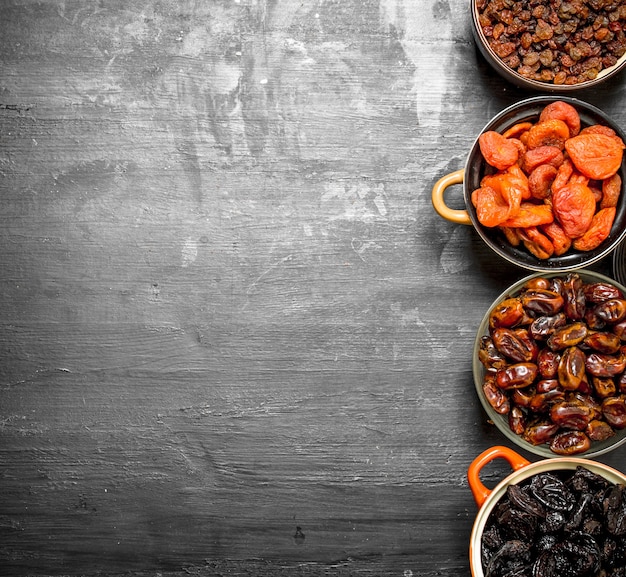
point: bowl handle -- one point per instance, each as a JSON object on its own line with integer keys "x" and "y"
{"x": 480, "y": 492}
{"x": 453, "y": 215}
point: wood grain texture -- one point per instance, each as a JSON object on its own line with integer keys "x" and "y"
{"x": 235, "y": 337}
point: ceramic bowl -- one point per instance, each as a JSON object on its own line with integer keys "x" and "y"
{"x": 514, "y": 77}
{"x": 476, "y": 167}
{"x": 501, "y": 421}
{"x": 487, "y": 499}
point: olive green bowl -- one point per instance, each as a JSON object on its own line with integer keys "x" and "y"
{"x": 501, "y": 421}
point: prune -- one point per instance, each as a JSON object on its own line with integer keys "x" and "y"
{"x": 615, "y": 509}
{"x": 523, "y": 500}
{"x": 561, "y": 523}
{"x": 563, "y": 355}
{"x": 552, "y": 492}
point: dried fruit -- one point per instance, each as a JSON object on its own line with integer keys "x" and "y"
{"x": 552, "y": 186}
{"x": 555, "y": 361}
{"x": 560, "y": 523}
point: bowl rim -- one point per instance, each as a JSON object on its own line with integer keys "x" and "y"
{"x": 478, "y": 370}
{"x": 572, "y": 260}
{"x": 516, "y": 477}
{"x": 516, "y": 78}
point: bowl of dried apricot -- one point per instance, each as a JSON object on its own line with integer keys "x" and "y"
{"x": 556, "y": 47}
{"x": 551, "y": 518}
{"x": 544, "y": 184}
{"x": 549, "y": 364}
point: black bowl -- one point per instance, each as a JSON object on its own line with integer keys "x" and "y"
{"x": 476, "y": 168}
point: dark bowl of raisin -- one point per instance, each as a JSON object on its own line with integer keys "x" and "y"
{"x": 556, "y": 47}
{"x": 549, "y": 364}
{"x": 552, "y": 518}
{"x": 543, "y": 184}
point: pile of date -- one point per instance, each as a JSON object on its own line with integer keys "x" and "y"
{"x": 555, "y": 362}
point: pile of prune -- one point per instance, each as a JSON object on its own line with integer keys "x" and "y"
{"x": 565, "y": 523}
{"x": 555, "y": 362}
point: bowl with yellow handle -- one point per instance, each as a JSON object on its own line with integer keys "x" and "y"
{"x": 543, "y": 184}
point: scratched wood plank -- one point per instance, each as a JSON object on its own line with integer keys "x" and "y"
{"x": 235, "y": 337}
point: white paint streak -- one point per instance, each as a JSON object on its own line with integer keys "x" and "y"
{"x": 189, "y": 252}
{"x": 421, "y": 34}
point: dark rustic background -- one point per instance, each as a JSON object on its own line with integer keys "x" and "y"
{"x": 236, "y": 339}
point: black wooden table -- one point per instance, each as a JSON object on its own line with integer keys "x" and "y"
{"x": 236, "y": 338}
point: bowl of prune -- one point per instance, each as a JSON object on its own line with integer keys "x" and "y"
{"x": 563, "y": 517}
{"x": 548, "y": 46}
{"x": 543, "y": 184}
{"x": 549, "y": 364}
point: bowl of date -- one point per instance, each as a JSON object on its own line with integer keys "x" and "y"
{"x": 551, "y": 46}
{"x": 549, "y": 364}
{"x": 543, "y": 185}
{"x": 551, "y": 518}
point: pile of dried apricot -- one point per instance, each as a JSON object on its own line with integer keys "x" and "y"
{"x": 554, "y": 185}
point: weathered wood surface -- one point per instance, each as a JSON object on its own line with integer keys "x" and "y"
{"x": 235, "y": 337}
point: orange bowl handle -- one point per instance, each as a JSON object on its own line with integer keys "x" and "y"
{"x": 439, "y": 203}
{"x": 480, "y": 492}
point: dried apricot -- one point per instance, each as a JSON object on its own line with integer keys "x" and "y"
{"x": 552, "y": 181}
{"x": 551, "y": 132}
{"x": 509, "y": 187}
{"x": 491, "y": 208}
{"x": 574, "y": 207}
{"x": 595, "y": 155}
{"x": 512, "y": 235}
{"x": 562, "y": 111}
{"x": 530, "y": 214}
{"x": 537, "y": 243}
{"x": 560, "y": 241}
{"x": 540, "y": 180}
{"x": 542, "y": 155}
{"x": 598, "y": 230}
{"x": 603, "y": 129}
{"x": 517, "y": 130}
{"x": 564, "y": 172}
{"x": 611, "y": 190}
{"x": 497, "y": 150}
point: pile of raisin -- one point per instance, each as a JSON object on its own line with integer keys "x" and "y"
{"x": 563, "y": 42}
{"x": 566, "y": 523}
